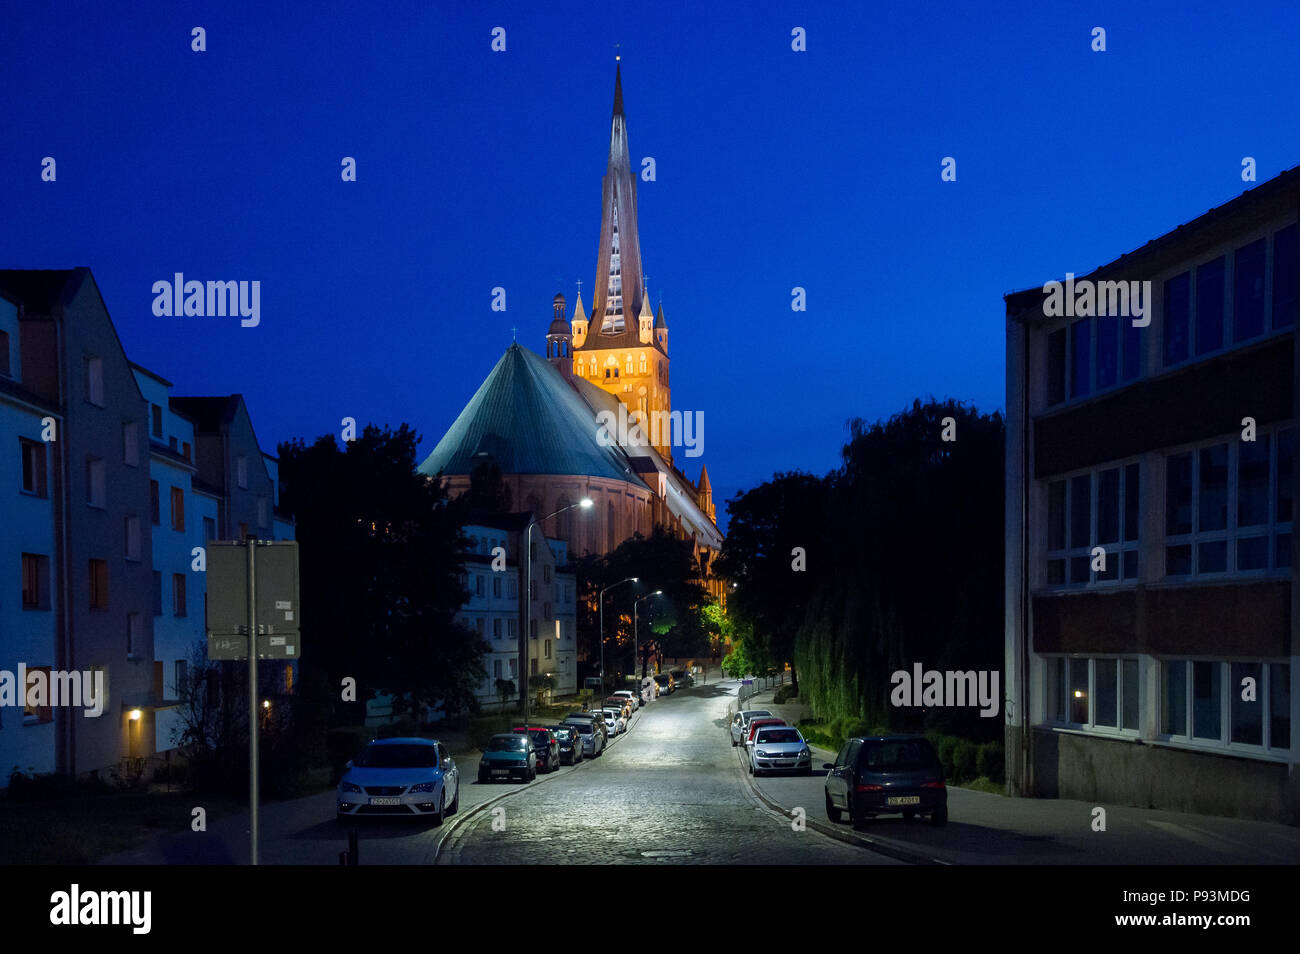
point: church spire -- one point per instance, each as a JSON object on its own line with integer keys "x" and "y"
{"x": 619, "y": 281}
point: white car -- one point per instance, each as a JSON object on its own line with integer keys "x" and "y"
{"x": 740, "y": 723}
{"x": 630, "y": 696}
{"x": 779, "y": 748}
{"x": 614, "y": 719}
{"x": 403, "y": 776}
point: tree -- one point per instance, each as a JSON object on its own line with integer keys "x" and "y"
{"x": 380, "y": 571}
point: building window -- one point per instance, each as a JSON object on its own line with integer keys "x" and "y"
{"x": 496, "y": 586}
{"x": 178, "y": 509}
{"x": 133, "y": 633}
{"x": 132, "y": 538}
{"x": 1228, "y": 507}
{"x": 1091, "y": 510}
{"x": 178, "y": 594}
{"x": 478, "y": 584}
{"x": 479, "y": 626}
{"x": 131, "y": 444}
{"x": 546, "y": 573}
{"x": 157, "y": 592}
{"x": 1092, "y": 693}
{"x": 35, "y": 715}
{"x": 496, "y": 669}
{"x": 182, "y": 677}
{"x": 514, "y": 668}
{"x": 94, "y": 382}
{"x": 34, "y": 467}
{"x": 1284, "y": 277}
{"x": 209, "y": 529}
{"x": 1201, "y": 703}
{"x": 95, "y": 483}
{"x": 241, "y": 472}
{"x": 546, "y": 643}
{"x": 186, "y": 450}
{"x": 532, "y": 628}
{"x": 36, "y": 587}
{"x": 157, "y": 422}
{"x": 532, "y": 667}
{"x": 154, "y": 508}
{"x": 98, "y": 584}
{"x": 512, "y": 628}
{"x": 1248, "y": 291}
{"x": 496, "y": 629}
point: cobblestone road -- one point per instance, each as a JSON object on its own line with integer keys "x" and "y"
{"x": 670, "y": 790}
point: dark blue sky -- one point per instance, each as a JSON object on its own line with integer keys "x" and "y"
{"x": 478, "y": 169}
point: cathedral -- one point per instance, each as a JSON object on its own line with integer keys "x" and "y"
{"x": 540, "y": 419}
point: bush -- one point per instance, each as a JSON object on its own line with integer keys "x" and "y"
{"x": 990, "y": 761}
{"x": 944, "y": 746}
{"x": 963, "y": 760}
{"x": 29, "y": 787}
{"x": 857, "y": 728}
{"x": 784, "y": 694}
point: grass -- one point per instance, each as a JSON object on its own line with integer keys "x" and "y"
{"x": 80, "y": 829}
{"x": 984, "y": 784}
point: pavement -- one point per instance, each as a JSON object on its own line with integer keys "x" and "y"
{"x": 997, "y": 829}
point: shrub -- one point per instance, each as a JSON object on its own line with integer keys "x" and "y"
{"x": 855, "y": 728}
{"x": 990, "y": 761}
{"x": 944, "y": 746}
{"x": 963, "y": 760}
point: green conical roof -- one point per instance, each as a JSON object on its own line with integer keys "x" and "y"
{"x": 528, "y": 418}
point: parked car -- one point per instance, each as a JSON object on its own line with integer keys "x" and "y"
{"x": 508, "y": 755}
{"x": 546, "y": 744}
{"x": 779, "y": 748}
{"x": 592, "y": 735}
{"x": 570, "y": 743}
{"x": 632, "y": 697}
{"x": 400, "y": 776}
{"x": 592, "y": 715}
{"x": 622, "y": 704}
{"x": 757, "y": 723}
{"x": 614, "y": 719}
{"x": 665, "y": 682}
{"x": 883, "y": 775}
{"x": 682, "y": 678}
{"x": 740, "y": 723}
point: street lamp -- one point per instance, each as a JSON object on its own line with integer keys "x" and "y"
{"x": 526, "y": 601}
{"x": 636, "y": 642}
{"x": 601, "y": 613}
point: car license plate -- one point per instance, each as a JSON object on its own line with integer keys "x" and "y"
{"x": 501, "y": 771}
{"x": 385, "y": 801}
{"x": 903, "y": 800}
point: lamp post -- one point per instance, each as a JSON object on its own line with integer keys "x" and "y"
{"x": 526, "y": 602}
{"x": 601, "y": 613}
{"x": 636, "y": 642}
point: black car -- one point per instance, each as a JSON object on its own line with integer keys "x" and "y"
{"x": 885, "y": 775}
{"x": 548, "y": 747}
{"x": 570, "y": 744}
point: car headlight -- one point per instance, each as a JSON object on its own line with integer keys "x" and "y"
{"x": 423, "y": 787}
{"x": 805, "y": 754}
{"x": 761, "y": 754}
{"x": 349, "y": 787}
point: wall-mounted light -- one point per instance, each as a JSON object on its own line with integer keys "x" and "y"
{"x": 266, "y": 703}
{"x": 135, "y": 714}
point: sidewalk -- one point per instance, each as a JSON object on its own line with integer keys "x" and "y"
{"x": 998, "y": 829}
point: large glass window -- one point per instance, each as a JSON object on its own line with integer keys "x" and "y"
{"x": 1100, "y": 693}
{"x": 1173, "y": 719}
{"x": 1097, "y": 509}
{"x": 1209, "y": 306}
{"x": 1108, "y": 350}
{"x": 1177, "y": 318}
{"x": 1207, "y": 703}
{"x": 1080, "y": 354}
{"x": 1216, "y": 691}
{"x": 1284, "y": 277}
{"x": 1248, "y": 291}
{"x": 1245, "y": 715}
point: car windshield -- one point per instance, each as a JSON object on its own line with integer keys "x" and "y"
{"x": 507, "y": 743}
{"x": 902, "y": 755}
{"x": 398, "y": 756}
{"x": 778, "y": 735}
{"x": 563, "y": 734}
{"x": 755, "y": 713}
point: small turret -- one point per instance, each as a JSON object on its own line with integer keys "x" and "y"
{"x": 559, "y": 340}
{"x": 579, "y": 323}
{"x": 661, "y": 329}
{"x": 646, "y": 319}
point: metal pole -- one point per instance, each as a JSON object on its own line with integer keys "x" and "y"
{"x": 636, "y": 641}
{"x": 601, "y": 613}
{"x": 525, "y": 622}
{"x": 252, "y": 699}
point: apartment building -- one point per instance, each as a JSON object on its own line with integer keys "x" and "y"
{"x": 1150, "y": 598}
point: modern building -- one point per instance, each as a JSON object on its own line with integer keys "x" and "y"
{"x": 1150, "y": 594}
{"x": 492, "y": 570}
{"x": 562, "y": 428}
{"x": 112, "y": 489}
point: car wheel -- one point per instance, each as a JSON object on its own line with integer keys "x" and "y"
{"x": 833, "y": 813}
{"x": 939, "y": 816}
{"x": 441, "y": 813}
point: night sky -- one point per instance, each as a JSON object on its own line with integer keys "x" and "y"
{"x": 479, "y": 169}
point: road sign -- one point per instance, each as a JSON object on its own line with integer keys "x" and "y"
{"x": 226, "y": 646}
{"x": 278, "y": 612}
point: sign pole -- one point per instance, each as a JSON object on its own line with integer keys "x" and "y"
{"x": 252, "y": 699}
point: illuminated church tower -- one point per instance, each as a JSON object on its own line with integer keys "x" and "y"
{"x": 623, "y": 346}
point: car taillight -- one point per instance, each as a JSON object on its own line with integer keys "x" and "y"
{"x": 869, "y": 788}
{"x": 938, "y": 784}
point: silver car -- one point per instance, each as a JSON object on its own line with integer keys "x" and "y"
{"x": 403, "y": 776}
{"x": 591, "y": 734}
{"x": 740, "y": 723}
{"x": 615, "y": 720}
{"x": 779, "y": 748}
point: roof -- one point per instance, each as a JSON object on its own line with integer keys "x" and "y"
{"x": 1267, "y": 200}
{"x": 529, "y": 421}
{"x": 510, "y": 522}
{"x": 207, "y": 413}
{"x": 38, "y": 290}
